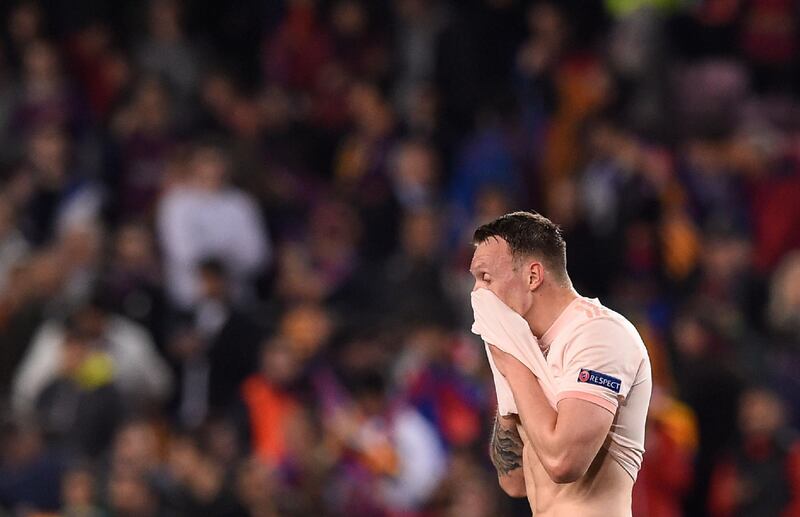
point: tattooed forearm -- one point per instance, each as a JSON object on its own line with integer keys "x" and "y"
{"x": 505, "y": 448}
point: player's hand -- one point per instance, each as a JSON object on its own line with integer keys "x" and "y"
{"x": 508, "y": 365}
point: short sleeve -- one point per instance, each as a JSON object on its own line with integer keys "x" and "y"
{"x": 600, "y": 364}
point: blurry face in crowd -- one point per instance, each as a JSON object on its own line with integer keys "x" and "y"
{"x": 94, "y": 39}
{"x": 6, "y": 217}
{"x": 21, "y": 445}
{"x": 305, "y": 4}
{"x": 372, "y": 403}
{"x": 73, "y": 353}
{"x": 761, "y": 413}
{"x": 91, "y": 322}
{"x": 789, "y": 289}
{"x": 490, "y": 204}
{"x": 135, "y": 447}
{"x": 212, "y": 285}
{"x": 360, "y": 355}
{"x": 276, "y": 108}
{"x": 278, "y": 364}
{"x": 348, "y": 18}
{"x": 544, "y": 20}
{"x": 416, "y": 166}
{"x": 80, "y": 245}
{"x": 706, "y": 157}
{"x": 152, "y": 104}
{"x": 369, "y": 391}
{"x": 78, "y": 488}
{"x": 210, "y": 168}
{"x": 45, "y": 273}
{"x": 422, "y": 111}
{"x": 691, "y": 338}
{"x": 335, "y": 229}
{"x": 725, "y": 257}
{"x": 562, "y": 203}
{"x": 164, "y": 19}
{"x": 370, "y": 110}
{"x": 306, "y": 328}
{"x": 47, "y": 151}
{"x": 134, "y": 246}
{"x": 429, "y": 341}
{"x": 420, "y": 235}
{"x": 24, "y": 22}
{"x": 213, "y": 281}
{"x": 254, "y": 484}
{"x": 129, "y": 494}
{"x": 412, "y": 9}
{"x": 41, "y": 62}
{"x": 222, "y": 441}
{"x": 183, "y": 456}
{"x": 494, "y": 268}
{"x": 218, "y": 91}
{"x": 472, "y": 495}
{"x": 118, "y": 70}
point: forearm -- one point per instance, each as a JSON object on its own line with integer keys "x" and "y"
{"x": 566, "y": 441}
{"x": 506, "y": 453}
{"x": 562, "y": 457}
{"x": 530, "y": 401}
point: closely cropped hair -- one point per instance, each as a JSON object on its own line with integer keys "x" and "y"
{"x": 528, "y": 233}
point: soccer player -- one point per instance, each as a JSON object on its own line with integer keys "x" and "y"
{"x": 582, "y": 457}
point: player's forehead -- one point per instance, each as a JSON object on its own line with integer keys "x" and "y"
{"x": 492, "y": 253}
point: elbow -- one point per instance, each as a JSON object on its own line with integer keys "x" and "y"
{"x": 564, "y": 469}
{"x": 512, "y": 486}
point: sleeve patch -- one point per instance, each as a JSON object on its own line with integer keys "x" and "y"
{"x": 599, "y": 379}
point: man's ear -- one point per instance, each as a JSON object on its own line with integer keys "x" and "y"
{"x": 535, "y": 275}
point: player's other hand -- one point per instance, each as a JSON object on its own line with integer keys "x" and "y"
{"x": 507, "y": 364}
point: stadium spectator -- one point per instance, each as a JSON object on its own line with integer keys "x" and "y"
{"x": 195, "y": 219}
{"x": 133, "y": 280}
{"x": 140, "y": 373}
{"x": 270, "y": 404}
{"x": 216, "y": 351}
{"x": 30, "y": 470}
{"x": 79, "y": 493}
{"x": 166, "y": 50}
{"x": 784, "y": 303}
{"x": 759, "y": 475}
{"x": 144, "y": 132}
{"x": 80, "y": 408}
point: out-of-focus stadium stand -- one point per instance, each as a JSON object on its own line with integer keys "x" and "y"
{"x": 234, "y": 241}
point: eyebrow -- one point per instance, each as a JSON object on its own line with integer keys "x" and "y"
{"x": 477, "y": 267}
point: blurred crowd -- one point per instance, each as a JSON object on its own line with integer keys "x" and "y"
{"x": 234, "y": 242}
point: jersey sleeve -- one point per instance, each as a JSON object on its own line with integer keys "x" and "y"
{"x": 600, "y": 364}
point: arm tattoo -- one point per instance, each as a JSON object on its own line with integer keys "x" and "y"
{"x": 505, "y": 449}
